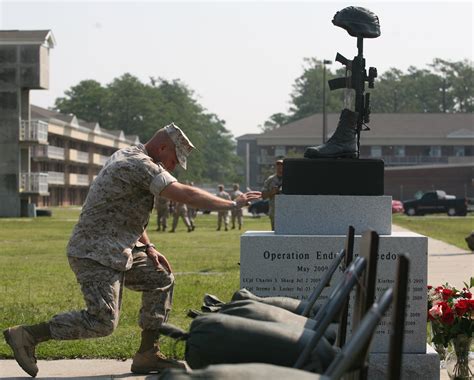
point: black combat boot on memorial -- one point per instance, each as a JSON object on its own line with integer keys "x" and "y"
{"x": 342, "y": 143}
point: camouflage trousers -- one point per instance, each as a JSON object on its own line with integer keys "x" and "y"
{"x": 184, "y": 215}
{"x": 237, "y": 215}
{"x": 102, "y": 288}
{"x": 162, "y": 217}
{"x": 222, "y": 216}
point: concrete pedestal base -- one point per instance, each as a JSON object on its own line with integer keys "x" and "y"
{"x": 292, "y": 265}
{"x": 332, "y": 214}
{"x": 414, "y": 366}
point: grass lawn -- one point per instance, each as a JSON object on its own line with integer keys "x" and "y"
{"x": 451, "y": 230}
{"x": 36, "y": 282}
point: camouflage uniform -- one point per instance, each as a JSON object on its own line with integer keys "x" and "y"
{"x": 102, "y": 250}
{"x": 236, "y": 213}
{"x": 269, "y": 184}
{"x": 162, "y": 212}
{"x": 192, "y": 212}
{"x": 180, "y": 210}
{"x": 223, "y": 216}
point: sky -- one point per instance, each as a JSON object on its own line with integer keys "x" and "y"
{"x": 240, "y": 58}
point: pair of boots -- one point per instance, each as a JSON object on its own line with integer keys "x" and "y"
{"x": 23, "y": 341}
{"x": 343, "y": 143}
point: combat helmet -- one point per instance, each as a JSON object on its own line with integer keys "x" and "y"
{"x": 358, "y": 21}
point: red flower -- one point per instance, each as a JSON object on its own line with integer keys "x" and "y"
{"x": 467, "y": 295}
{"x": 429, "y": 287}
{"x": 448, "y": 316}
{"x": 447, "y": 293}
{"x": 462, "y": 306}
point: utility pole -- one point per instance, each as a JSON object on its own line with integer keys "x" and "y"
{"x": 325, "y": 62}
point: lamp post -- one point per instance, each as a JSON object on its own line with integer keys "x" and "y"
{"x": 325, "y": 62}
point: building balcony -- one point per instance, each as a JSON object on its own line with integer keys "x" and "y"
{"x": 34, "y": 131}
{"x": 78, "y": 156}
{"x": 34, "y": 183}
{"x": 48, "y": 152}
{"x": 56, "y": 178}
{"x": 98, "y": 159}
{"x": 78, "y": 179}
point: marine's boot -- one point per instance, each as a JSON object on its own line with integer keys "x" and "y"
{"x": 153, "y": 361}
{"x": 342, "y": 143}
{"x": 23, "y": 345}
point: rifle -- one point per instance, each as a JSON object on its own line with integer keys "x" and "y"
{"x": 358, "y": 73}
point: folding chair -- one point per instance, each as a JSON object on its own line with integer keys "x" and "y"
{"x": 258, "y": 371}
{"x": 342, "y": 330}
{"x": 365, "y": 293}
{"x": 217, "y": 338}
{"x": 348, "y": 358}
{"x": 360, "y": 339}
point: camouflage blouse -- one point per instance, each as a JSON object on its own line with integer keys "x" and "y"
{"x": 117, "y": 208}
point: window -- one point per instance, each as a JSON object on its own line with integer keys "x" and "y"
{"x": 459, "y": 151}
{"x": 280, "y": 151}
{"x": 376, "y": 151}
{"x": 399, "y": 150}
{"x": 435, "y": 151}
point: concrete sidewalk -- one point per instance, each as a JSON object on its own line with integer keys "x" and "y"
{"x": 73, "y": 369}
{"x": 446, "y": 263}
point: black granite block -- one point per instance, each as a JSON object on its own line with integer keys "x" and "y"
{"x": 304, "y": 176}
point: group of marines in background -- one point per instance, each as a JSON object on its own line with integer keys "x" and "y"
{"x": 165, "y": 208}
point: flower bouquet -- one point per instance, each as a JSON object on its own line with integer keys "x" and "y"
{"x": 451, "y": 313}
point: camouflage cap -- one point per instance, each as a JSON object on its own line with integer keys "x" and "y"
{"x": 183, "y": 146}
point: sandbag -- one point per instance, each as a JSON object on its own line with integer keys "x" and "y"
{"x": 287, "y": 303}
{"x": 220, "y": 338}
{"x": 263, "y": 312}
{"x": 250, "y": 371}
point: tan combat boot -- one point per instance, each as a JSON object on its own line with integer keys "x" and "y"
{"x": 23, "y": 346}
{"x": 153, "y": 361}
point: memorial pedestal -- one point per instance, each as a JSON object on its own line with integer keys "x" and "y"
{"x": 332, "y": 214}
{"x": 329, "y": 176}
{"x": 292, "y": 265}
{"x": 321, "y": 198}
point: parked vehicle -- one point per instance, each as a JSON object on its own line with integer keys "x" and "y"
{"x": 436, "y": 202}
{"x": 259, "y": 207}
{"x": 397, "y": 207}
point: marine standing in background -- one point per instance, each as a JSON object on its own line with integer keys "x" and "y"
{"x": 237, "y": 213}
{"x": 272, "y": 187}
{"x": 162, "y": 206}
{"x": 180, "y": 210}
{"x": 222, "y": 216}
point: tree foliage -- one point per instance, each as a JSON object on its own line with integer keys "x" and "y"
{"x": 141, "y": 109}
{"x": 444, "y": 86}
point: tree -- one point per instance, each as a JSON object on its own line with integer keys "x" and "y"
{"x": 457, "y": 78}
{"x": 307, "y": 95}
{"x": 137, "y": 108}
{"x": 444, "y": 87}
{"x": 87, "y": 100}
{"x": 274, "y": 121}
